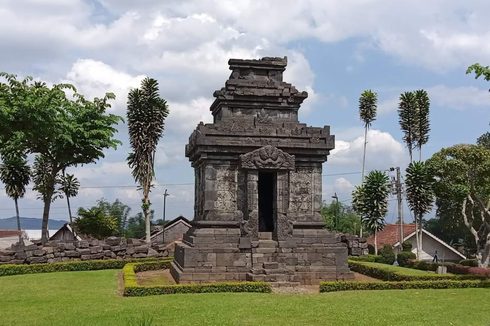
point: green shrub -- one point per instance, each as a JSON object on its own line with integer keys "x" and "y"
{"x": 132, "y": 289}
{"x": 469, "y": 262}
{"x": 407, "y": 246}
{"x": 387, "y": 274}
{"x": 368, "y": 258}
{"x": 388, "y": 254}
{"x": 404, "y": 285}
{"x": 87, "y": 265}
{"x": 422, "y": 265}
{"x": 404, "y": 257}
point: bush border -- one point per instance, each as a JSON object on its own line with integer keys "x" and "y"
{"x": 403, "y": 285}
{"x": 132, "y": 289}
{"x": 71, "y": 266}
{"x": 388, "y": 275}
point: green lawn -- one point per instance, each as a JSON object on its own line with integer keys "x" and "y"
{"x": 90, "y": 298}
{"x": 397, "y": 269}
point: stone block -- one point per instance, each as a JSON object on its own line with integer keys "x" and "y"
{"x": 113, "y": 241}
{"x": 72, "y": 253}
{"x": 141, "y": 249}
{"x": 83, "y": 244}
{"x": 6, "y": 258}
{"x": 95, "y": 249}
{"x": 37, "y": 260}
{"x": 85, "y": 251}
{"x": 69, "y": 246}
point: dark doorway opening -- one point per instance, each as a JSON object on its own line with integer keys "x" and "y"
{"x": 267, "y": 196}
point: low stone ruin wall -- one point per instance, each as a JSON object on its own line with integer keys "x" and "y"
{"x": 56, "y": 251}
{"x": 356, "y": 246}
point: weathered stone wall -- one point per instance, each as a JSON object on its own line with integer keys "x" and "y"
{"x": 55, "y": 251}
{"x": 357, "y": 246}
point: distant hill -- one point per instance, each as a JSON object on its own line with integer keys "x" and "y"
{"x": 29, "y": 223}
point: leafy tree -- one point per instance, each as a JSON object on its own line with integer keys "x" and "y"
{"x": 422, "y": 126}
{"x": 69, "y": 187}
{"x": 367, "y": 114}
{"x": 118, "y": 210}
{"x": 146, "y": 115}
{"x": 349, "y": 221}
{"x": 95, "y": 222}
{"x": 407, "y": 112}
{"x": 483, "y": 140}
{"x": 419, "y": 196}
{"x": 15, "y": 175}
{"x": 137, "y": 225}
{"x": 462, "y": 176}
{"x": 370, "y": 200}
{"x": 64, "y": 130}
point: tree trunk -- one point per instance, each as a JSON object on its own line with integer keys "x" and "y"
{"x": 147, "y": 217}
{"x": 18, "y": 221}
{"x": 47, "y": 206}
{"x": 420, "y": 154}
{"x": 483, "y": 255}
{"x": 69, "y": 209}
{"x": 420, "y": 235}
{"x": 375, "y": 242}
{"x": 417, "y": 238}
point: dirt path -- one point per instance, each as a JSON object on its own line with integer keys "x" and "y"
{"x": 365, "y": 278}
{"x": 158, "y": 277}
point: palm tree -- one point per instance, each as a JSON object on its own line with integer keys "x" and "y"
{"x": 69, "y": 186}
{"x": 146, "y": 115}
{"x": 407, "y": 111}
{"x": 367, "y": 114}
{"x": 371, "y": 202}
{"x": 15, "y": 174}
{"x": 419, "y": 195}
{"x": 423, "y": 122}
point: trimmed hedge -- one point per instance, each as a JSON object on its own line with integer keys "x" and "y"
{"x": 469, "y": 262}
{"x": 451, "y": 268}
{"x": 132, "y": 289}
{"x": 367, "y": 258}
{"x": 386, "y": 274}
{"x": 86, "y": 265}
{"x": 404, "y": 257}
{"x": 403, "y": 285}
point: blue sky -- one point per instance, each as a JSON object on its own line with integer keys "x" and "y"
{"x": 336, "y": 50}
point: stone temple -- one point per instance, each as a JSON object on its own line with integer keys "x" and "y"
{"x": 258, "y": 187}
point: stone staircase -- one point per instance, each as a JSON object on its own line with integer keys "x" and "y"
{"x": 265, "y": 266}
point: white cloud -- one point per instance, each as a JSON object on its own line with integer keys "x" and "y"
{"x": 383, "y": 151}
{"x": 95, "y": 78}
{"x": 101, "y": 171}
{"x": 457, "y": 98}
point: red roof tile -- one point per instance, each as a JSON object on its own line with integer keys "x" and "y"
{"x": 391, "y": 234}
{"x": 9, "y": 233}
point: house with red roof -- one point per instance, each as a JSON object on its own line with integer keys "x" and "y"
{"x": 430, "y": 243}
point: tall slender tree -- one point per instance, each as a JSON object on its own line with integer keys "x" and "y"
{"x": 69, "y": 187}
{"x": 420, "y": 196}
{"x": 370, "y": 200}
{"x": 367, "y": 114}
{"x": 146, "y": 121}
{"x": 15, "y": 174}
{"x": 423, "y": 123}
{"x": 407, "y": 111}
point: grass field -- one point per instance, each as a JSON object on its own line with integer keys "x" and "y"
{"x": 397, "y": 269}
{"x": 90, "y": 298}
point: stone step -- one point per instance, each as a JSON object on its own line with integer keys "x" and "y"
{"x": 270, "y": 265}
{"x": 284, "y": 284}
{"x": 265, "y": 235}
{"x": 274, "y": 271}
{"x": 264, "y": 250}
{"x": 267, "y": 244}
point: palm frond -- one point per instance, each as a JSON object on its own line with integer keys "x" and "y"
{"x": 368, "y": 107}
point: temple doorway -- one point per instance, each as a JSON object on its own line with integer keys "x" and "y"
{"x": 267, "y": 199}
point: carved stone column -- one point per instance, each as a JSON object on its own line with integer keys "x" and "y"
{"x": 284, "y": 227}
{"x": 250, "y": 225}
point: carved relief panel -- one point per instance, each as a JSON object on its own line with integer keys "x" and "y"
{"x": 226, "y": 189}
